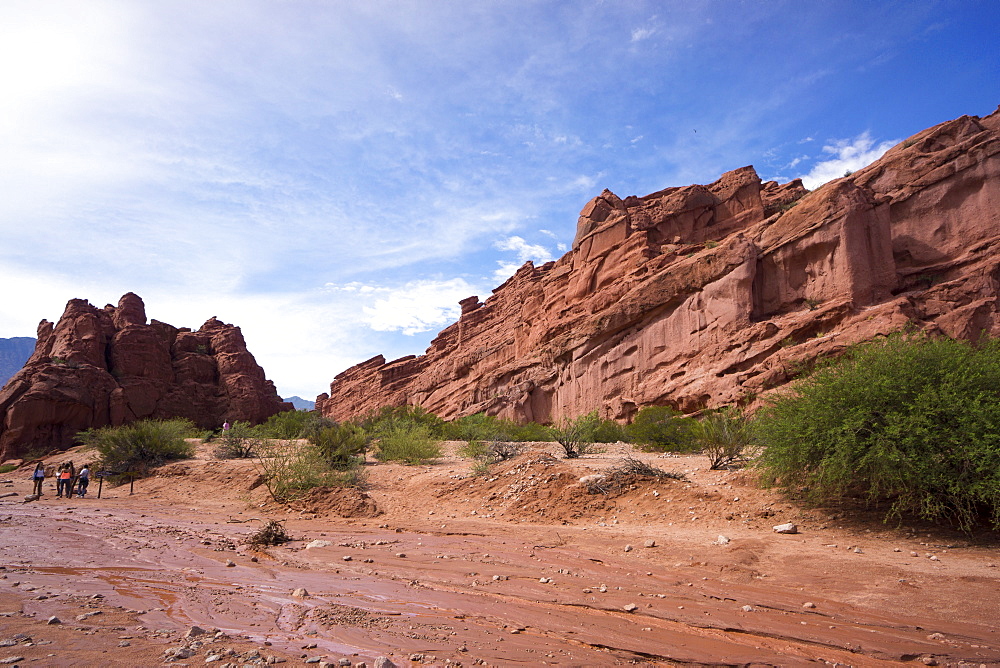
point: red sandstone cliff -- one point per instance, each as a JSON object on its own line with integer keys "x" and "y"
{"x": 709, "y": 295}
{"x": 99, "y": 367}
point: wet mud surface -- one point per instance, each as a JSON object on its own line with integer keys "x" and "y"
{"x": 452, "y": 572}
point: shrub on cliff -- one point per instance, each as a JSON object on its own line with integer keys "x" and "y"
{"x": 139, "y": 447}
{"x": 912, "y": 422}
{"x": 661, "y": 428}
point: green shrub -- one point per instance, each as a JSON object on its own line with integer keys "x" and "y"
{"x": 661, "y": 428}
{"x": 531, "y": 432}
{"x": 609, "y": 431}
{"x": 291, "y": 469}
{"x": 725, "y": 436}
{"x": 139, "y": 447}
{"x": 477, "y": 427}
{"x": 289, "y": 425}
{"x": 576, "y": 436}
{"x": 487, "y": 453}
{"x": 411, "y": 444}
{"x": 475, "y": 450}
{"x": 389, "y": 419}
{"x": 239, "y": 442}
{"x": 911, "y": 421}
{"x": 7, "y": 468}
{"x": 342, "y": 446}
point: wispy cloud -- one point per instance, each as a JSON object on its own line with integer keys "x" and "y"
{"x": 849, "y": 155}
{"x": 417, "y": 306}
{"x": 639, "y": 34}
{"x": 525, "y": 252}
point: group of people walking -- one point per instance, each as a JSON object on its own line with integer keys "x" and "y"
{"x": 68, "y": 480}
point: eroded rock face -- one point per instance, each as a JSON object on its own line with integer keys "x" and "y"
{"x": 710, "y": 295}
{"x": 99, "y": 367}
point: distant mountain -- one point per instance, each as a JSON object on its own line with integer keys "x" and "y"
{"x": 13, "y": 354}
{"x": 300, "y": 403}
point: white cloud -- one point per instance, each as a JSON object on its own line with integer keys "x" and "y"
{"x": 639, "y": 34}
{"x": 418, "y": 306}
{"x": 525, "y": 252}
{"x": 850, "y": 155}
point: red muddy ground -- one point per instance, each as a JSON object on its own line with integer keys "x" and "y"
{"x": 518, "y": 567}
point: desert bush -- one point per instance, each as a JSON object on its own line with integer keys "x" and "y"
{"x": 725, "y": 436}
{"x": 289, "y": 425}
{"x": 272, "y": 533}
{"x": 390, "y": 419}
{"x": 291, "y": 469}
{"x": 139, "y": 447}
{"x": 531, "y": 432}
{"x": 408, "y": 443}
{"x": 476, "y": 427}
{"x": 608, "y": 431}
{"x": 912, "y": 422}
{"x": 487, "y": 453}
{"x": 661, "y": 428}
{"x": 342, "y": 446}
{"x": 576, "y": 436}
{"x": 239, "y": 442}
{"x": 7, "y": 468}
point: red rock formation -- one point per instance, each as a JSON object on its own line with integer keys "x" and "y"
{"x": 709, "y": 295}
{"x": 99, "y": 367}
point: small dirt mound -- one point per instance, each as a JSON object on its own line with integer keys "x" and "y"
{"x": 339, "y": 501}
{"x": 544, "y": 488}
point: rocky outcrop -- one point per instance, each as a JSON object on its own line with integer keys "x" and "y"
{"x": 99, "y": 367}
{"x": 709, "y": 295}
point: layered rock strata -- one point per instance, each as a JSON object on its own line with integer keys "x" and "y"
{"x": 709, "y": 295}
{"x": 99, "y": 367}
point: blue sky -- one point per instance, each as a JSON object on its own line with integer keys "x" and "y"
{"x": 334, "y": 176}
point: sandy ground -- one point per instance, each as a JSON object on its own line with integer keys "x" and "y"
{"x": 520, "y": 566}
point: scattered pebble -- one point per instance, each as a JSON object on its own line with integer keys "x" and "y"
{"x": 747, "y": 608}
{"x": 628, "y": 548}
{"x": 788, "y": 527}
{"x": 300, "y": 593}
{"x": 809, "y": 604}
{"x": 631, "y": 607}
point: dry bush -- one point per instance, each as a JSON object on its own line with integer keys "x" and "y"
{"x": 272, "y": 533}
{"x": 626, "y": 472}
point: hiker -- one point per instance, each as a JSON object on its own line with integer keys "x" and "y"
{"x": 63, "y": 479}
{"x": 38, "y": 476}
{"x": 84, "y": 481}
{"x": 225, "y": 428}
